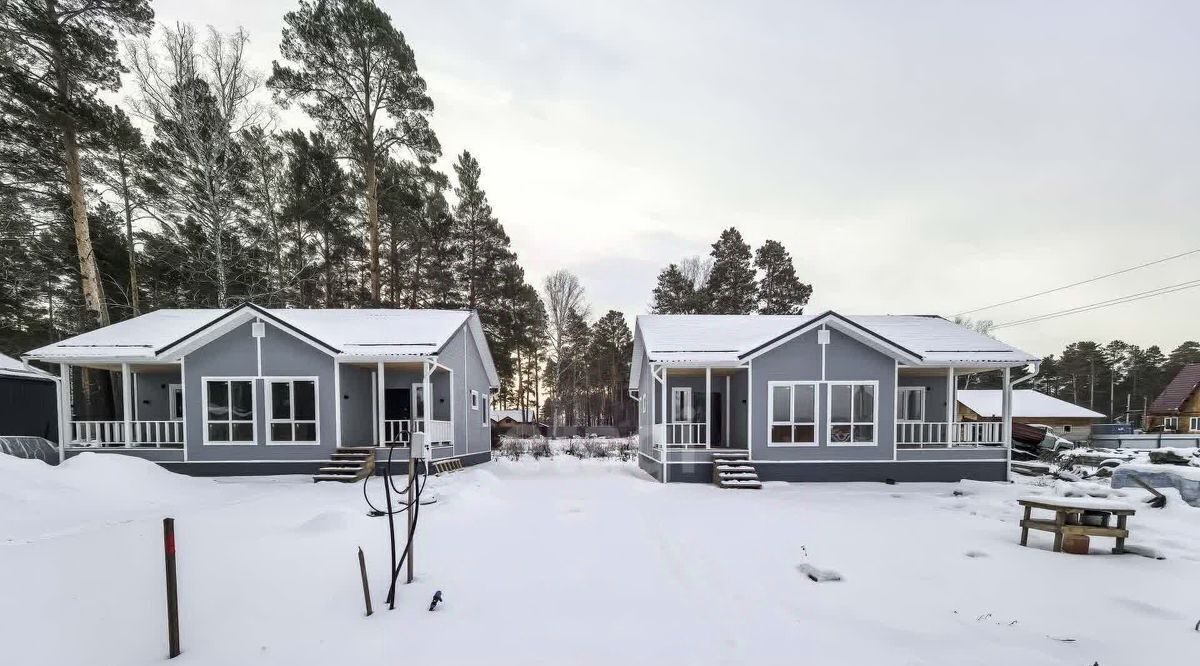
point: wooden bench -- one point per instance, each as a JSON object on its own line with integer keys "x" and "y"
{"x": 1076, "y": 515}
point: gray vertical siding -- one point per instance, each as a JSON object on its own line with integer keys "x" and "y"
{"x": 646, "y": 409}
{"x": 235, "y": 355}
{"x": 935, "y": 394}
{"x": 153, "y": 401}
{"x": 472, "y": 427}
{"x": 358, "y": 428}
{"x": 846, "y": 359}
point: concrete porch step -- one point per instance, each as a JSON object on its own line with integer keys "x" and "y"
{"x": 751, "y": 485}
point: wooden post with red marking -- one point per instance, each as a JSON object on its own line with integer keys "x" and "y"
{"x": 172, "y": 588}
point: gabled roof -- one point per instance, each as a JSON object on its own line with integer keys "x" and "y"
{"x": 731, "y": 340}
{"x": 1027, "y": 403}
{"x": 379, "y": 334}
{"x": 517, "y": 415}
{"x": 11, "y": 367}
{"x": 1178, "y": 391}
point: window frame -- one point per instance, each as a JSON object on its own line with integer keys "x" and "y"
{"x": 474, "y": 399}
{"x": 175, "y": 402}
{"x": 874, "y": 423}
{"x": 1171, "y": 422}
{"x": 771, "y": 422}
{"x": 269, "y": 404}
{"x": 687, "y": 404}
{"x": 900, "y": 391}
{"x": 1193, "y": 423}
{"x": 253, "y": 381}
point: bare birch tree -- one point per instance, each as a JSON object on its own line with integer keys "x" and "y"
{"x": 199, "y": 95}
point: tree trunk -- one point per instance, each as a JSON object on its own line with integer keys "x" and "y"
{"x": 129, "y": 248}
{"x": 89, "y": 272}
{"x": 372, "y": 184}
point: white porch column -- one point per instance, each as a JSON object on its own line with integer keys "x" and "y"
{"x": 380, "y": 423}
{"x": 951, "y": 407}
{"x": 65, "y": 417}
{"x": 708, "y": 407}
{"x": 665, "y": 416}
{"x": 127, "y": 403}
{"x": 1006, "y": 426}
{"x": 427, "y": 391}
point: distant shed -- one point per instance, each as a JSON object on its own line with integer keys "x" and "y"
{"x": 28, "y": 401}
{"x": 1069, "y": 420}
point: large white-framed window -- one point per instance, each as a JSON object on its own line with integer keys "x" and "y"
{"x": 910, "y": 404}
{"x": 793, "y": 413}
{"x": 853, "y": 413}
{"x": 1170, "y": 423}
{"x": 292, "y": 410}
{"x": 681, "y": 404}
{"x": 229, "y": 411}
{"x": 1194, "y": 424}
{"x": 175, "y": 402}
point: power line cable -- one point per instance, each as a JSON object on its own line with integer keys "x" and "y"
{"x": 1081, "y": 282}
{"x": 1121, "y": 300}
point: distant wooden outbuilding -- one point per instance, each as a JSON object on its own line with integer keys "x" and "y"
{"x": 1177, "y": 408}
{"x": 28, "y": 401}
{"x": 1070, "y": 421}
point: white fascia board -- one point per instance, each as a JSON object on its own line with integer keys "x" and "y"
{"x": 217, "y": 328}
{"x": 836, "y": 322}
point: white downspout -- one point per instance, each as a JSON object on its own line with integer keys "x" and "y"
{"x": 1007, "y": 412}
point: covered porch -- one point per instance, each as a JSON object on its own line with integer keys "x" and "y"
{"x": 408, "y": 397}
{"x": 696, "y": 408}
{"x": 122, "y": 405}
{"x": 927, "y": 414}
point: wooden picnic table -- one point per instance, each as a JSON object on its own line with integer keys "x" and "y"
{"x": 1077, "y": 515}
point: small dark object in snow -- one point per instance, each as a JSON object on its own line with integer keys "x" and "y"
{"x": 975, "y": 553}
{"x": 890, "y": 482}
{"x": 818, "y": 575}
{"x": 1197, "y": 627}
{"x": 959, "y": 493}
{"x": 1158, "y": 500}
{"x": 1061, "y": 640}
{"x": 437, "y": 598}
{"x": 1168, "y": 457}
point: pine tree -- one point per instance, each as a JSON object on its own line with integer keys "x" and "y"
{"x": 317, "y": 202}
{"x": 265, "y": 169}
{"x": 674, "y": 293}
{"x": 610, "y": 348}
{"x": 1185, "y": 353}
{"x": 356, "y": 76}
{"x": 58, "y": 54}
{"x": 731, "y": 287}
{"x": 121, "y": 163}
{"x": 478, "y": 234}
{"x": 779, "y": 290}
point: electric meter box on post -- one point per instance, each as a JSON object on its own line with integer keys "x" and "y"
{"x": 421, "y": 446}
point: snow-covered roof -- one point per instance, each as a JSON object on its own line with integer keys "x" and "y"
{"x": 363, "y": 334}
{"x": 11, "y": 367}
{"x": 1027, "y": 403}
{"x": 518, "y": 415}
{"x": 730, "y": 340}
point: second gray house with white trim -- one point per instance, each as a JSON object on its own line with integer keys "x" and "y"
{"x": 251, "y": 390}
{"x": 816, "y": 397}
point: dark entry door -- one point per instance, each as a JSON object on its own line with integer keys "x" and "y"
{"x": 397, "y": 404}
{"x": 718, "y": 425}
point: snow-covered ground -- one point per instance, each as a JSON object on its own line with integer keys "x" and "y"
{"x": 577, "y": 561}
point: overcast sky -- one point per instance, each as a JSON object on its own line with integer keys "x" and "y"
{"x": 914, "y": 157}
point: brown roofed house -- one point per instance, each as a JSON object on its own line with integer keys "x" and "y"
{"x": 1177, "y": 408}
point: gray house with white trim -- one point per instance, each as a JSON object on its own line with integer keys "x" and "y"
{"x": 815, "y": 398}
{"x": 251, "y": 390}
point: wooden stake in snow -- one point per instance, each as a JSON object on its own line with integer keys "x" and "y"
{"x": 362, "y": 570}
{"x": 172, "y": 588}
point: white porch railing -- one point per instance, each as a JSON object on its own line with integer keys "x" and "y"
{"x": 112, "y": 433}
{"x": 942, "y": 435}
{"x": 399, "y": 431}
{"x": 681, "y": 435}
